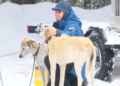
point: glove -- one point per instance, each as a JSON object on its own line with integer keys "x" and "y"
{"x": 55, "y": 25}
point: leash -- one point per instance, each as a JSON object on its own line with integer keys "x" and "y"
{"x": 32, "y": 72}
{"x": 1, "y": 78}
{"x": 38, "y": 26}
{"x": 34, "y": 64}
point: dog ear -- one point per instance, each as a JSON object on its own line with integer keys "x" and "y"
{"x": 47, "y": 29}
{"x": 30, "y": 42}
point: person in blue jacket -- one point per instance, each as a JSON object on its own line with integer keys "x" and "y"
{"x": 67, "y": 23}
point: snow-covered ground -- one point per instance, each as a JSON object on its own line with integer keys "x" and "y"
{"x": 14, "y": 20}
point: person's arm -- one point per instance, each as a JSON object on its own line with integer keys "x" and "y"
{"x": 71, "y": 30}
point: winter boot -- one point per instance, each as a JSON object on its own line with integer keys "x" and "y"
{"x": 85, "y": 83}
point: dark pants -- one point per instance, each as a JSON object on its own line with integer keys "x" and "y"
{"x": 70, "y": 79}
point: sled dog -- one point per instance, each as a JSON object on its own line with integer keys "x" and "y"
{"x": 32, "y": 46}
{"x": 67, "y": 49}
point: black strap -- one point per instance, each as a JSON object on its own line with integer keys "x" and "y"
{"x": 37, "y": 51}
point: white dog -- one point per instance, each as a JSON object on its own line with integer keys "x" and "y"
{"x": 66, "y": 49}
{"x": 32, "y": 46}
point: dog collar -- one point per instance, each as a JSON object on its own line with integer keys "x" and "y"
{"x": 48, "y": 40}
{"x": 37, "y": 51}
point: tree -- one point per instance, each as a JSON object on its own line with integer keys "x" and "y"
{"x": 100, "y": 3}
{"x": 0, "y": 1}
{"x": 87, "y": 4}
{"x": 24, "y": 1}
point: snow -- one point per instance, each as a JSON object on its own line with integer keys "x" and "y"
{"x": 14, "y": 20}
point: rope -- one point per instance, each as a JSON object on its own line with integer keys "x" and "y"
{"x": 32, "y": 72}
{"x": 13, "y": 53}
{"x": 10, "y": 54}
{"x": 1, "y": 78}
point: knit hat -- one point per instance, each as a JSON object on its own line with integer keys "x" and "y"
{"x": 63, "y": 6}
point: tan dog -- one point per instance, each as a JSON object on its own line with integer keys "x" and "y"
{"x": 31, "y": 46}
{"x": 66, "y": 49}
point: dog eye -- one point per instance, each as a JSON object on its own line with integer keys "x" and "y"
{"x": 28, "y": 45}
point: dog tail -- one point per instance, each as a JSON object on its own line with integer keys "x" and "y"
{"x": 92, "y": 58}
{"x": 90, "y": 63}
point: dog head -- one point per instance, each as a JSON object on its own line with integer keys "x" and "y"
{"x": 48, "y": 32}
{"x": 28, "y": 46}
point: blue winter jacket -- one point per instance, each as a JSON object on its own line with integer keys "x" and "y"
{"x": 72, "y": 27}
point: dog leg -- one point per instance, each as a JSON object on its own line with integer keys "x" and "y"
{"x": 42, "y": 75}
{"x": 78, "y": 68}
{"x": 53, "y": 69}
{"x": 48, "y": 75}
{"x": 62, "y": 74}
